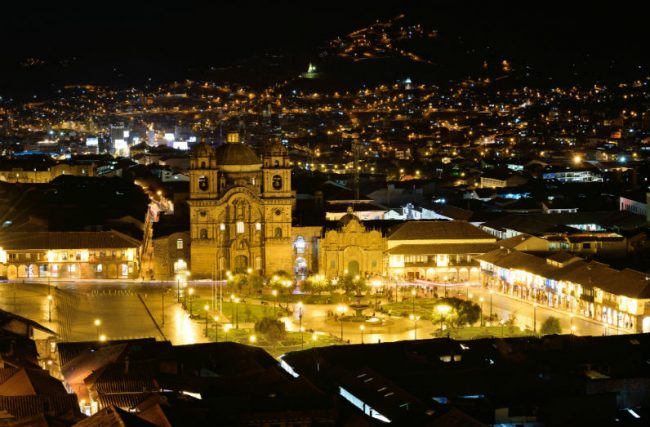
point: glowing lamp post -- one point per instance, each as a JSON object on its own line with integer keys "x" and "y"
{"x": 341, "y": 310}
{"x": 481, "y": 300}
{"x": 442, "y": 309}
{"x": 49, "y": 308}
{"x": 216, "y": 328}
{"x": 274, "y": 292}
{"x": 226, "y": 328}
{"x": 206, "y": 308}
{"x": 362, "y": 328}
{"x": 415, "y": 319}
{"x": 97, "y": 323}
{"x": 191, "y": 292}
{"x": 299, "y": 310}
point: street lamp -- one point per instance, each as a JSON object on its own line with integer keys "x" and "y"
{"x": 491, "y": 292}
{"x": 252, "y": 339}
{"x": 362, "y": 328}
{"x": 299, "y": 309}
{"x": 162, "y": 305}
{"x": 415, "y": 319}
{"x": 413, "y": 300}
{"x": 571, "y": 322}
{"x": 341, "y": 309}
{"x": 178, "y": 288}
{"x": 481, "y": 300}
{"x": 274, "y": 292}
{"x": 216, "y": 328}
{"x": 97, "y": 322}
{"x": 49, "y": 308}
{"x": 443, "y": 309}
{"x": 376, "y": 284}
{"x": 237, "y": 312}
{"x": 502, "y": 323}
{"x": 226, "y": 328}
{"x": 102, "y": 338}
{"x": 573, "y": 329}
{"x": 535, "y": 318}
{"x": 191, "y": 292}
{"x": 314, "y": 338}
{"x": 206, "y": 308}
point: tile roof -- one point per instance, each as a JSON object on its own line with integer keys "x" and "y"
{"x": 460, "y": 248}
{"x": 441, "y": 230}
{"x": 630, "y": 283}
{"x": 31, "y": 382}
{"x": 25, "y": 406}
{"x": 114, "y": 417}
{"x": 66, "y": 240}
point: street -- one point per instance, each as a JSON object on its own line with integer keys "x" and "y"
{"x": 119, "y": 307}
{"x": 134, "y": 310}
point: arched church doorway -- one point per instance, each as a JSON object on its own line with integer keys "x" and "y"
{"x": 353, "y": 268}
{"x": 300, "y": 268}
{"x": 241, "y": 263}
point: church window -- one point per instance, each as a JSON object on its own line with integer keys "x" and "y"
{"x": 276, "y": 163}
{"x": 278, "y": 232}
{"x": 203, "y": 213}
{"x": 332, "y": 264}
{"x": 222, "y": 227}
{"x": 240, "y": 227}
{"x": 277, "y": 182}
{"x": 179, "y": 244}
{"x": 300, "y": 245}
{"x": 203, "y": 183}
{"x": 252, "y": 181}
{"x": 203, "y": 233}
{"x": 258, "y": 226}
{"x": 202, "y": 165}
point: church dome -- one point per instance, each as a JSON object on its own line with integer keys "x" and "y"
{"x": 232, "y": 154}
{"x": 202, "y": 150}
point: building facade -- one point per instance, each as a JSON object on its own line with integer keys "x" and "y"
{"x": 437, "y": 250}
{"x": 240, "y": 209}
{"x": 351, "y": 249}
{"x": 69, "y": 255}
{"x": 619, "y": 298}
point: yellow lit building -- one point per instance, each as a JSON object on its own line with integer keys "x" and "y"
{"x": 69, "y": 255}
{"x": 591, "y": 289}
{"x": 240, "y": 209}
{"x": 351, "y": 249}
{"x": 440, "y": 251}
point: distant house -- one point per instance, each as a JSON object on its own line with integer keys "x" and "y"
{"x": 497, "y": 179}
{"x": 637, "y": 205}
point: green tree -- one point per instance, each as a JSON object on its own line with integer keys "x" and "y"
{"x": 255, "y": 282}
{"x": 353, "y": 285}
{"x": 237, "y": 282}
{"x": 462, "y": 312}
{"x": 316, "y": 284}
{"x": 551, "y": 326}
{"x": 271, "y": 328}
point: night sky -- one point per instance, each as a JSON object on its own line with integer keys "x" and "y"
{"x": 167, "y": 39}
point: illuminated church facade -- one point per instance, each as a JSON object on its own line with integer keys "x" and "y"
{"x": 240, "y": 210}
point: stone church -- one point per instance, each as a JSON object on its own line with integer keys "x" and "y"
{"x": 240, "y": 209}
